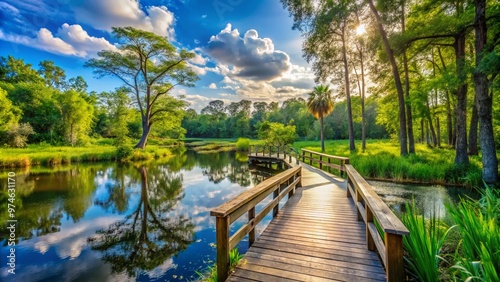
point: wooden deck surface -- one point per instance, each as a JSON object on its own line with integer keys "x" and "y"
{"x": 315, "y": 237}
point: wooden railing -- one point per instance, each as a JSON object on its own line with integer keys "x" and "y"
{"x": 279, "y": 185}
{"x": 370, "y": 208}
{"x": 329, "y": 161}
{"x": 283, "y": 152}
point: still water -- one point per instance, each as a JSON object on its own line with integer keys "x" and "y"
{"x": 108, "y": 222}
{"x": 139, "y": 222}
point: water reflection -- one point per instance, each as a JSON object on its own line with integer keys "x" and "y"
{"x": 429, "y": 199}
{"x": 109, "y": 222}
{"x": 146, "y": 238}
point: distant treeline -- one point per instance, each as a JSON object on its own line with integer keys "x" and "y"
{"x": 243, "y": 119}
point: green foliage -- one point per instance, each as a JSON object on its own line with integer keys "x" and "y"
{"x": 478, "y": 258}
{"x": 9, "y": 114}
{"x": 77, "y": 116}
{"x": 423, "y": 244}
{"x": 243, "y": 144}
{"x": 123, "y": 152}
{"x": 277, "y": 134}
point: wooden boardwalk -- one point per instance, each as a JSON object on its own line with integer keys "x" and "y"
{"x": 316, "y": 236}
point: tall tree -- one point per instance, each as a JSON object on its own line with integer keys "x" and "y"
{"x": 483, "y": 99}
{"x": 53, "y": 75}
{"x": 320, "y": 104}
{"x": 150, "y": 67}
{"x": 327, "y": 30}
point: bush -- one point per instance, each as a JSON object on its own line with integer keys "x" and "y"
{"x": 243, "y": 144}
{"x": 123, "y": 152}
{"x": 17, "y": 135}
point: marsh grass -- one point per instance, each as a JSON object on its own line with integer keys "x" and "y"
{"x": 381, "y": 160}
{"x": 47, "y": 155}
{"x": 424, "y": 244}
{"x": 478, "y": 255}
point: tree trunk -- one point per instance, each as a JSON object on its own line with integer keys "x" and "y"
{"x": 363, "y": 120}
{"x": 322, "y": 136}
{"x": 146, "y": 128}
{"x": 484, "y": 101}
{"x": 473, "y": 150}
{"x": 422, "y": 129}
{"x": 409, "y": 115}
{"x": 438, "y": 131}
{"x": 461, "y": 156}
{"x": 397, "y": 81}
{"x": 352, "y": 146}
{"x": 449, "y": 116}
{"x": 431, "y": 125}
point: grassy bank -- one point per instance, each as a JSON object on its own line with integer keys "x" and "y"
{"x": 55, "y": 155}
{"x": 381, "y": 160}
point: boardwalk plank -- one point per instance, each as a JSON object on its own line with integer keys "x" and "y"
{"x": 315, "y": 237}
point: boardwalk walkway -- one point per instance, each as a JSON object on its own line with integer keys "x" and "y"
{"x": 315, "y": 237}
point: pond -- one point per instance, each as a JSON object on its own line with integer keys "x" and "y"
{"x": 109, "y": 222}
{"x": 140, "y": 222}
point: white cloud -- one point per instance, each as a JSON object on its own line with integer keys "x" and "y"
{"x": 198, "y": 102}
{"x": 70, "y": 40}
{"x": 212, "y": 86}
{"x": 248, "y": 57}
{"x": 104, "y": 14}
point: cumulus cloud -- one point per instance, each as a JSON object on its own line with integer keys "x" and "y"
{"x": 212, "y": 86}
{"x": 69, "y": 40}
{"x": 248, "y": 57}
{"x": 104, "y": 14}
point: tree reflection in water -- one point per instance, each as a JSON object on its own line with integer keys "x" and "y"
{"x": 147, "y": 237}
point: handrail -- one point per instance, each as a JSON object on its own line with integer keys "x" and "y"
{"x": 280, "y": 185}
{"x": 342, "y": 161}
{"x": 371, "y": 207}
{"x": 272, "y": 150}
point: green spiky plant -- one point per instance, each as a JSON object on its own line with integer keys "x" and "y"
{"x": 424, "y": 243}
{"x": 478, "y": 255}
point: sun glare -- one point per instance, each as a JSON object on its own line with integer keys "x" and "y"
{"x": 361, "y": 29}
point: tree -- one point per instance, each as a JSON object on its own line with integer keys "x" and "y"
{"x": 9, "y": 114}
{"x": 150, "y": 67}
{"x": 53, "y": 75}
{"x": 326, "y": 26}
{"x": 483, "y": 98}
{"x": 77, "y": 116}
{"x": 320, "y": 104}
{"x": 277, "y": 134}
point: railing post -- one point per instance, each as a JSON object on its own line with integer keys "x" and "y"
{"x": 349, "y": 183}
{"x": 394, "y": 257}
{"x": 310, "y": 158}
{"x": 276, "y": 193}
{"x": 222, "y": 233}
{"x": 299, "y": 174}
{"x": 256, "y": 150}
{"x": 342, "y": 168}
{"x": 270, "y": 150}
{"x": 303, "y": 156}
{"x": 251, "y": 234}
{"x": 320, "y": 162}
{"x": 370, "y": 243}
{"x": 358, "y": 200}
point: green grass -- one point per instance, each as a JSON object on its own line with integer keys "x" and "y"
{"x": 210, "y": 274}
{"x": 381, "y": 160}
{"x": 56, "y": 155}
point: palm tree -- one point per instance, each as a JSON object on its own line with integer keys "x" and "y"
{"x": 320, "y": 104}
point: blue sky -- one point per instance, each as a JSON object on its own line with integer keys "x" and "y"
{"x": 245, "y": 49}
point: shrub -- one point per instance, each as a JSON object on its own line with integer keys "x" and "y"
{"x": 243, "y": 144}
{"x": 123, "y": 152}
{"x": 17, "y": 135}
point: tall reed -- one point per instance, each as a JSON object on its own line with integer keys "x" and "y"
{"x": 424, "y": 243}
{"x": 478, "y": 257}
